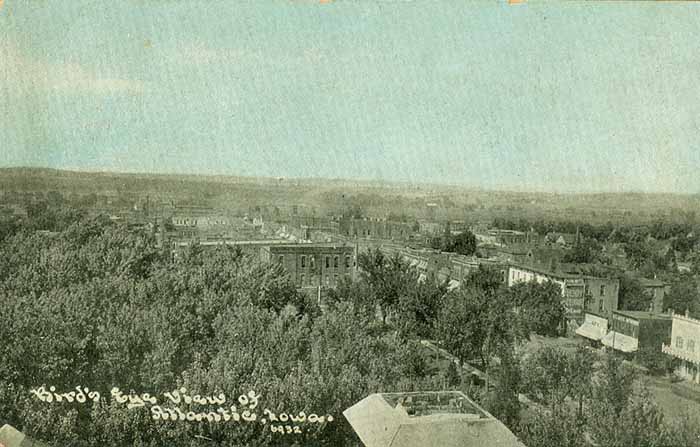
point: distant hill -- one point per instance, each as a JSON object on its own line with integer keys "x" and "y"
{"x": 333, "y": 195}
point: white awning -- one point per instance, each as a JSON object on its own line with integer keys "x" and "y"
{"x": 453, "y": 284}
{"x": 620, "y": 342}
{"x": 587, "y": 330}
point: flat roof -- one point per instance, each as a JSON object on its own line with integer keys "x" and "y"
{"x": 429, "y": 403}
{"x": 643, "y": 314}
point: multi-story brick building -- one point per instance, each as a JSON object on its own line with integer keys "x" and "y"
{"x": 580, "y": 293}
{"x": 685, "y": 346}
{"x": 313, "y": 265}
{"x": 657, "y": 290}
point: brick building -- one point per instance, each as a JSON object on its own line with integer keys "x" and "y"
{"x": 313, "y": 265}
{"x": 375, "y": 228}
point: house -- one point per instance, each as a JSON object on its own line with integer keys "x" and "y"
{"x": 313, "y": 265}
{"x": 561, "y": 239}
{"x": 437, "y": 418}
{"x": 632, "y": 331}
{"x": 594, "y": 328}
{"x": 685, "y": 346}
{"x": 580, "y": 293}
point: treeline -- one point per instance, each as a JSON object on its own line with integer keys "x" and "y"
{"x": 483, "y": 322}
{"x": 98, "y": 306}
{"x": 685, "y": 233}
{"x": 581, "y": 398}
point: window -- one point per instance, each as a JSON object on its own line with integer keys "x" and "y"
{"x": 328, "y": 262}
{"x": 691, "y": 345}
{"x": 312, "y": 261}
{"x": 602, "y": 289}
{"x": 679, "y": 342}
{"x": 347, "y": 262}
{"x": 328, "y": 280}
{"x": 303, "y": 280}
{"x": 335, "y": 279}
{"x": 335, "y": 262}
{"x": 303, "y": 261}
{"x": 280, "y": 259}
{"x": 601, "y": 305}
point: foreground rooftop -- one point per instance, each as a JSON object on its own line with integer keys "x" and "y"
{"x": 440, "y": 418}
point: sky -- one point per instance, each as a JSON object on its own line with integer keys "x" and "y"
{"x": 541, "y": 96}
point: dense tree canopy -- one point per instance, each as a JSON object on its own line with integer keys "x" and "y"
{"x": 100, "y": 306}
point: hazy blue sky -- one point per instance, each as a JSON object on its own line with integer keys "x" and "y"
{"x": 565, "y": 96}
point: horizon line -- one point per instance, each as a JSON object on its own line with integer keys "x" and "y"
{"x": 360, "y": 181}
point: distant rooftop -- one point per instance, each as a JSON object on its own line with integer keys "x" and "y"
{"x": 643, "y": 314}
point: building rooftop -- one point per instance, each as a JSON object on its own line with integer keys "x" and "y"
{"x": 645, "y": 282}
{"x": 558, "y": 275}
{"x": 440, "y": 418}
{"x": 643, "y": 314}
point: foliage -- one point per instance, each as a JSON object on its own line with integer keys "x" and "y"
{"x": 543, "y": 430}
{"x": 683, "y": 295}
{"x": 100, "y": 305}
{"x": 503, "y": 399}
{"x": 463, "y": 243}
{"x": 462, "y": 324}
{"x": 540, "y": 306}
{"x": 389, "y": 278}
{"x": 631, "y": 295}
{"x": 586, "y": 251}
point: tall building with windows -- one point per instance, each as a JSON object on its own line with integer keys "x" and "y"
{"x": 580, "y": 293}
{"x": 313, "y": 265}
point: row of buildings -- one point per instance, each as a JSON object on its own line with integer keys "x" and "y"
{"x": 632, "y": 332}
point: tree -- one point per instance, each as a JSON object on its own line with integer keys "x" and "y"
{"x": 388, "y": 278}
{"x": 632, "y": 295}
{"x": 637, "y": 253}
{"x": 683, "y": 295}
{"x": 540, "y": 306}
{"x": 464, "y": 243}
{"x": 586, "y": 251}
{"x": 419, "y": 307}
{"x": 462, "y": 324}
{"x": 543, "y": 430}
{"x": 503, "y": 400}
{"x": 552, "y": 376}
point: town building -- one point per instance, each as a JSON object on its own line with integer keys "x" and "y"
{"x": 375, "y": 228}
{"x": 632, "y": 331}
{"x": 684, "y": 345}
{"x": 594, "y": 328}
{"x": 508, "y": 237}
{"x": 657, "y": 289}
{"x": 313, "y": 265}
{"x": 580, "y": 293}
{"x": 438, "y": 418}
